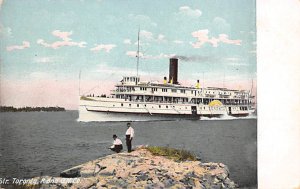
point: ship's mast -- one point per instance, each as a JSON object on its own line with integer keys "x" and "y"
{"x": 250, "y": 95}
{"x": 251, "y": 87}
{"x": 138, "y": 55}
{"x": 79, "y": 82}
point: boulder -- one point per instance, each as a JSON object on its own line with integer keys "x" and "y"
{"x": 87, "y": 183}
{"x": 71, "y": 173}
{"x": 141, "y": 169}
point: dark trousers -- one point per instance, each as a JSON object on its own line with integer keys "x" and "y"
{"x": 117, "y": 148}
{"x": 128, "y": 143}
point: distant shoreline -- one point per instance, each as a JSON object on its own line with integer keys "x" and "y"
{"x": 31, "y": 109}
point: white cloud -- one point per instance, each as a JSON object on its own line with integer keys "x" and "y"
{"x": 133, "y": 54}
{"x": 106, "y": 47}
{"x": 221, "y": 24}
{"x": 178, "y": 41}
{"x": 66, "y": 40}
{"x": 161, "y": 38}
{"x": 235, "y": 61}
{"x": 63, "y": 35}
{"x": 142, "y": 43}
{"x": 127, "y": 41}
{"x": 149, "y": 36}
{"x": 186, "y": 10}
{"x": 24, "y": 45}
{"x": 160, "y": 56}
{"x": 5, "y": 31}
{"x": 146, "y": 37}
{"x": 143, "y": 56}
{"x": 142, "y": 19}
{"x": 146, "y": 34}
{"x": 225, "y": 39}
{"x": 202, "y": 38}
{"x": 47, "y": 59}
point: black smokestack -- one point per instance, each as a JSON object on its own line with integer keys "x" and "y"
{"x": 173, "y": 71}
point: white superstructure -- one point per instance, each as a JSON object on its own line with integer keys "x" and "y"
{"x": 134, "y": 100}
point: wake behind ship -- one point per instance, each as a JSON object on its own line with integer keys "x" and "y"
{"x": 136, "y": 100}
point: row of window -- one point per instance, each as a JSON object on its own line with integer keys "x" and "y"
{"x": 145, "y": 105}
{"x": 173, "y": 90}
{"x": 201, "y": 108}
{"x": 179, "y": 99}
{"x": 131, "y": 79}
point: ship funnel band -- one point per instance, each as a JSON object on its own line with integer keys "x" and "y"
{"x": 173, "y": 71}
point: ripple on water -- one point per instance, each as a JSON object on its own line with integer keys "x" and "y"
{"x": 35, "y": 142}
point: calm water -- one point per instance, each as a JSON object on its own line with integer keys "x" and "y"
{"x": 32, "y": 143}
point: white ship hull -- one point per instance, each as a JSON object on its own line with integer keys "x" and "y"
{"x": 110, "y": 109}
{"x": 87, "y": 116}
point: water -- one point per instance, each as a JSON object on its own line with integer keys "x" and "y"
{"x": 34, "y": 143}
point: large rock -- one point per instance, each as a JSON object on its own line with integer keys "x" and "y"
{"x": 141, "y": 169}
{"x": 71, "y": 173}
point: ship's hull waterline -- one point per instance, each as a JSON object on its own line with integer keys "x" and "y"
{"x": 100, "y": 116}
{"x": 108, "y": 110}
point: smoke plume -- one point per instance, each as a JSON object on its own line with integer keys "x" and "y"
{"x": 197, "y": 58}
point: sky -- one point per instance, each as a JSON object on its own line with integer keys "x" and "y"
{"x": 47, "y": 44}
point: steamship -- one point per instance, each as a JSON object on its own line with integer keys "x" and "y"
{"x": 136, "y": 100}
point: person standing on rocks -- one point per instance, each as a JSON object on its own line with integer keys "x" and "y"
{"x": 117, "y": 144}
{"x": 129, "y": 136}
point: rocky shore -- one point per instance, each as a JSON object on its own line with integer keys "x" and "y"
{"x": 142, "y": 169}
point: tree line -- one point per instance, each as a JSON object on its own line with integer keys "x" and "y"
{"x": 31, "y": 109}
